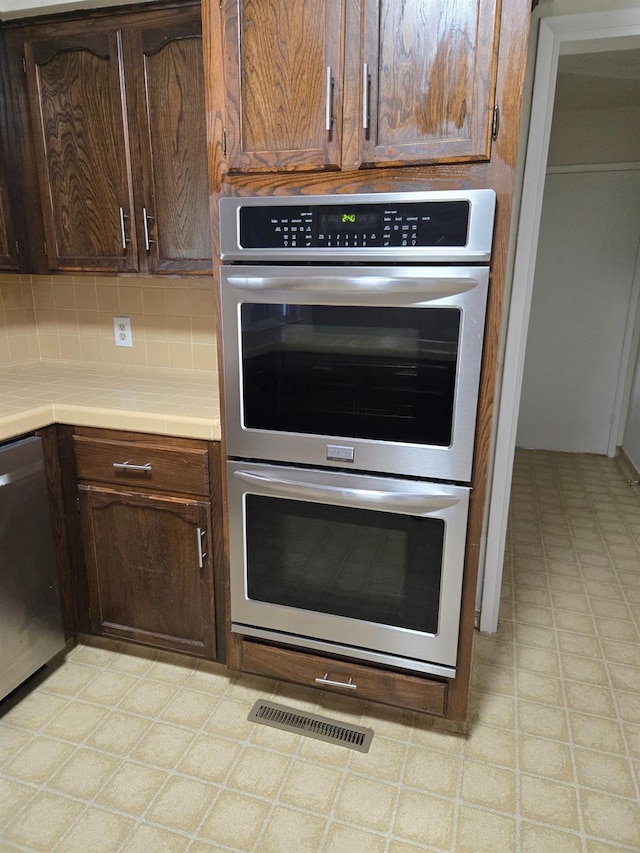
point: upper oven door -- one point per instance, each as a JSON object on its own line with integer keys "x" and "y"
{"x": 370, "y": 368}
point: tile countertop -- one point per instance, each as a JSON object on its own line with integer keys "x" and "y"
{"x": 166, "y": 402}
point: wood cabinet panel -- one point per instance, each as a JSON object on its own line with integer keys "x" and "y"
{"x": 325, "y": 84}
{"x": 82, "y": 151}
{"x": 169, "y": 114}
{"x": 117, "y": 108}
{"x": 142, "y": 463}
{"x": 431, "y": 80}
{"x": 390, "y": 688}
{"x": 284, "y": 83}
{"x": 8, "y": 245}
{"x": 150, "y": 569}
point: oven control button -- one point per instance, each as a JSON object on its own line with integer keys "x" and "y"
{"x": 340, "y": 453}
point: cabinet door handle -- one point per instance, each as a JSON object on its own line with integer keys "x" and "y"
{"x": 365, "y": 96}
{"x": 131, "y": 466}
{"x": 123, "y": 230}
{"x": 328, "y": 118}
{"x": 145, "y": 221}
{"x": 348, "y": 685}
{"x": 200, "y": 534}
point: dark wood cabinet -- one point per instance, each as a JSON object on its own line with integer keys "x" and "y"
{"x": 330, "y": 84}
{"x": 428, "y": 80}
{"x": 148, "y": 537}
{"x": 283, "y": 75}
{"x": 9, "y": 253}
{"x": 117, "y": 111}
{"x": 345, "y": 677}
{"x": 8, "y": 246}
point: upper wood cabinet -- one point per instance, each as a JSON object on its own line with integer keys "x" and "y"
{"x": 118, "y": 117}
{"x": 330, "y": 84}
{"x": 9, "y": 257}
{"x": 8, "y": 246}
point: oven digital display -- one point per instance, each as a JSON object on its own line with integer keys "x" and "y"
{"x": 352, "y": 219}
{"x": 414, "y": 224}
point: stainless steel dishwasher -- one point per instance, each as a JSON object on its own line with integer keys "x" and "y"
{"x": 31, "y": 630}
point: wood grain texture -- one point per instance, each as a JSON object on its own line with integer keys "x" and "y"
{"x": 275, "y": 70}
{"x": 117, "y": 108}
{"x": 82, "y": 151}
{"x": 384, "y": 686}
{"x": 9, "y": 259}
{"x": 139, "y": 538}
{"x": 181, "y": 470}
{"x": 56, "y": 480}
{"x": 430, "y": 81}
{"x": 8, "y": 248}
{"x": 165, "y": 79}
{"x": 145, "y": 582}
{"x": 432, "y": 68}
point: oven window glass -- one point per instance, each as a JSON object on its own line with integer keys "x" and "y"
{"x": 360, "y": 372}
{"x": 375, "y": 566}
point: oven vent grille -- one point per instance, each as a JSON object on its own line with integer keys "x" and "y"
{"x": 303, "y": 723}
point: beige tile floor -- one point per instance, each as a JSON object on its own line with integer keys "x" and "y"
{"x": 116, "y": 750}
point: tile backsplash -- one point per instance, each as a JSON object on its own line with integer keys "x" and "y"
{"x": 70, "y": 318}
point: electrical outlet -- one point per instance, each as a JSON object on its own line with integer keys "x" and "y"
{"x": 122, "y": 331}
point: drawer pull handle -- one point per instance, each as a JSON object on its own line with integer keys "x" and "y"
{"x": 130, "y": 466}
{"x": 348, "y": 685}
{"x": 366, "y": 82}
{"x": 200, "y": 534}
{"x": 328, "y": 119}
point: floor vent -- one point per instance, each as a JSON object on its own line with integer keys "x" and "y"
{"x": 302, "y": 723}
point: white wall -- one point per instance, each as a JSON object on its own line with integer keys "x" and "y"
{"x": 631, "y": 440}
{"x": 581, "y": 299}
{"x": 569, "y": 386}
{"x": 571, "y": 7}
{"x": 595, "y": 136}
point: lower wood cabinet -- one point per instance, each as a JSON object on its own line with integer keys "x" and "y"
{"x": 352, "y": 679}
{"x": 148, "y": 547}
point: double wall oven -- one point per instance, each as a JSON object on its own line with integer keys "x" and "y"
{"x": 352, "y": 332}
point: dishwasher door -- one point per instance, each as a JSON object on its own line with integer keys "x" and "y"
{"x": 31, "y": 630}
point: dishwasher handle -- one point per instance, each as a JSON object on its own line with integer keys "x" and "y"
{"x": 21, "y": 473}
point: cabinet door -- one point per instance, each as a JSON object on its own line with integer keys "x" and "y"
{"x": 8, "y": 245}
{"x": 166, "y": 101}
{"x": 428, "y": 80}
{"x": 284, "y": 83}
{"x": 149, "y": 568}
{"x": 76, "y": 94}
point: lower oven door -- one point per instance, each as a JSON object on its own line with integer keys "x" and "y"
{"x": 361, "y": 566}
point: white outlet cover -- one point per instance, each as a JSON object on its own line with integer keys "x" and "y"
{"x": 122, "y": 331}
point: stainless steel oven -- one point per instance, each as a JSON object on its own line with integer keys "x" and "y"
{"x": 362, "y": 566}
{"x": 352, "y": 334}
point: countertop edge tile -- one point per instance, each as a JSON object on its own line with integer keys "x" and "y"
{"x": 152, "y": 408}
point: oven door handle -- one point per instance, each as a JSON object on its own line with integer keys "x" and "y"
{"x": 426, "y": 287}
{"x": 410, "y": 503}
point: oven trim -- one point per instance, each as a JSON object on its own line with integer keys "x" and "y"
{"x": 410, "y": 664}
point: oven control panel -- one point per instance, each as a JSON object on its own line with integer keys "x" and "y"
{"x": 448, "y": 225}
{"x": 355, "y": 225}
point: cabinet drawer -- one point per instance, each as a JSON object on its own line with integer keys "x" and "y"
{"x": 389, "y": 688}
{"x": 131, "y": 463}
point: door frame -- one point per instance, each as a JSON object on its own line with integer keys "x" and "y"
{"x": 576, "y": 33}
